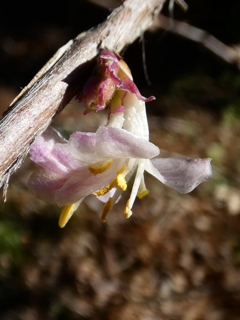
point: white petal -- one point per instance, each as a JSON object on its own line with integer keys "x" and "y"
{"x": 150, "y": 168}
{"x": 135, "y": 116}
{"x": 119, "y": 143}
{"x": 183, "y": 174}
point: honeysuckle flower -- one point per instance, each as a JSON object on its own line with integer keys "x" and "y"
{"x": 101, "y": 163}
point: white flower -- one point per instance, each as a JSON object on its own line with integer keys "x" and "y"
{"x": 102, "y": 163}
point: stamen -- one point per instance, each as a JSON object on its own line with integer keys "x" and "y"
{"x": 127, "y": 210}
{"x": 106, "y": 209}
{"x": 67, "y": 212}
{"x": 143, "y": 191}
{"x": 119, "y": 182}
{"x": 137, "y": 183}
{"x": 103, "y": 191}
{"x": 100, "y": 169}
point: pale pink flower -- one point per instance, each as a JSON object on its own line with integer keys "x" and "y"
{"x": 102, "y": 163}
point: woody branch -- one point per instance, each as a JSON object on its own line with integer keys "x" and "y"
{"x": 230, "y": 54}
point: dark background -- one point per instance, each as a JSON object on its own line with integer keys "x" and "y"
{"x": 178, "y": 256}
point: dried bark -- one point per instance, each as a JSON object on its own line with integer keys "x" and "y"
{"x": 56, "y": 84}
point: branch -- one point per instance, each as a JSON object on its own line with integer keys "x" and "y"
{"x": 227, "y": 53}
{"x": 58, "y": 82}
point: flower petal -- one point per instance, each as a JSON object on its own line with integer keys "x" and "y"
{"x": 83, "y": 183}
{"x": 81, "y": 146}
{"x": 135, "y": 116}
{"x": 128, "y": 85}
{"x": 119, "y": 143}
{"x": 44, "y": 185}
{"x": 43, "y": 153}
{"x": 183, "y": 174}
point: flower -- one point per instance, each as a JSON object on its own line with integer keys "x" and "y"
{"x": 98, "y": 163}
{"x": 102, "y": 162}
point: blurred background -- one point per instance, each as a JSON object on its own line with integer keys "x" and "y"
{"x": 178, "y": 256}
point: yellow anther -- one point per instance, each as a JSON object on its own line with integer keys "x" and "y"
{"x": 106, "y": 209}
{"x": 102, "y": 191}
{"x": 127, "y": 210}
{"x": 100, "y": 169}
{"x": 142, "y": 193}
{"x": 119, "y": 182}
{"x": 66, "y": 214}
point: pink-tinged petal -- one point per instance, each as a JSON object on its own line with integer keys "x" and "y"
{"x": 183, "y": 174}
{"x": 53, "y": 188}
{"x": 82, "y": 147}
{"x": 119, "y": 143}
{"x": 82, "y": 141}
{"x": 128, "y": 85}
{"x": 73, "y": 155}
{"x": 105, "y": 92}
{"x": 44, "y": 185}
{"x": 98, "y": 91}
{"x": 83, "y": 183}
{"x": 42, "y": 152}
{"x": 110, "y": 64}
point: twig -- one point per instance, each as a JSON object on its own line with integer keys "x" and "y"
{"x": 57, "y": 83}
{"x": 229, "y": 54}
{"x": 182, "y": 4}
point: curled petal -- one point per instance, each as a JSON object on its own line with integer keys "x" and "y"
{"x": 44, "y": 154}
{"x": 183, "y": 174}
{"x": 63, "y": 158}
{"x": 128, "y": 85}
